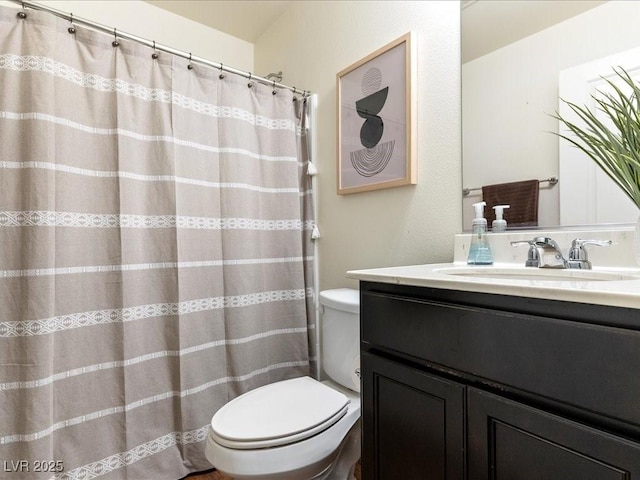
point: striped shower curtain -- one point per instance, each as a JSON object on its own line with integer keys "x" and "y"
{"x": 155, "y": 251}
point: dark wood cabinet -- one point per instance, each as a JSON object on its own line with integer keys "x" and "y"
{"x": 512, "y": 441}
{"x": 459, "y": 385}
{"x": 418, "y": 419}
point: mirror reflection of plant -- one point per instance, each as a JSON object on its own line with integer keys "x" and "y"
{"x": 616, "y": 149}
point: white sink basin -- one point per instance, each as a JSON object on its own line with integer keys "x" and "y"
{"x": 537, "y": 274}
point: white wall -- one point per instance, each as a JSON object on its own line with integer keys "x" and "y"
{"x": 509, "y": 95}
{"x": 152, "y": 23}
{"x": 311, "y": 43}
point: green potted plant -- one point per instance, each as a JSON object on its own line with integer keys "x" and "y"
{"x": 615, "y": 147}
{"x": 610, "y": 136}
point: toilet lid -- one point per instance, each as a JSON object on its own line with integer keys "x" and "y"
{"x": 279, "y": 413}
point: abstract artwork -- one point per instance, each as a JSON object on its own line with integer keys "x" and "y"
{"x": 375, "y": 120}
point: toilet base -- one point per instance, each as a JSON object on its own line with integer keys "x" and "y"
{"x": 345, "y": 464}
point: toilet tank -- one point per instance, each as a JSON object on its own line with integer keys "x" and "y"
{"x": 340, "y": 336}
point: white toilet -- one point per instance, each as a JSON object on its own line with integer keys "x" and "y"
{"x": 299, "y": 429}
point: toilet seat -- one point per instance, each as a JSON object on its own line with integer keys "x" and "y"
{"x": 278, "y": 414}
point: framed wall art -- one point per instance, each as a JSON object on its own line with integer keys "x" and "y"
{"x": 376, "y": 120}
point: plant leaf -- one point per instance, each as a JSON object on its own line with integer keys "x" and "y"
{"x": 614, "y": 142}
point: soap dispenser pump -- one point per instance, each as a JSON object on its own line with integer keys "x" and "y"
{"x": 479, "y": 250}
{"x": 499, "y": 225}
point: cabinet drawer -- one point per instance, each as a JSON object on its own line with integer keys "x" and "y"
{"x": 583, "y": 365}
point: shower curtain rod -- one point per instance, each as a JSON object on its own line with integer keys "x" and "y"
{"x": 157, "y": 46}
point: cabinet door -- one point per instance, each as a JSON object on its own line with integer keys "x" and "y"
{"x": 413, "y": 423}
{"x": 511, "y": 441}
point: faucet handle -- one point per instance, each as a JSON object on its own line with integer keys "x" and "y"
{"x": 533, "y": 256}
{"x": 515, "y": 243}
{"x": 578, "y": 254}
{"x": 578, "y": 242}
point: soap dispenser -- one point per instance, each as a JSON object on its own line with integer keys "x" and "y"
{"x": 479, "y": 251}
{"x": 499, "y": 225}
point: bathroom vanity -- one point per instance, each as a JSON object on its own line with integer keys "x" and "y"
{"x": 490, "y": 378}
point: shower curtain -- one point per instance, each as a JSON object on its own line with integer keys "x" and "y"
{"x": 155, "y": 251}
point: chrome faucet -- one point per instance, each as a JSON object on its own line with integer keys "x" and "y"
{"x": 544, "y": 252}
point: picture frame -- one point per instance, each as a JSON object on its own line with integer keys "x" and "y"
{"x": 376, "y": 120}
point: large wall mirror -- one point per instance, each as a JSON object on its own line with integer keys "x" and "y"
{"x": 512, "y": 55}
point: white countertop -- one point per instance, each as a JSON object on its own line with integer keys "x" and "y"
{"x": 575, "y": 286}
{"x": 613, "y": 291}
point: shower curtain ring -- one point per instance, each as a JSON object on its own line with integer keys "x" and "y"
{"x": 190, "y": 67}
{"x": 22, "y": 14}
{"x": 154, "y": 55}
{"x": 115, "y": 42}
{"x": 72, "y": 28}
{"x": 221, "y": 76}
{"x": 274, "y": 88}
{"x": 249, "y": 84}
{"x": 295, "y": 99}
